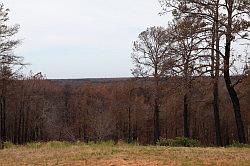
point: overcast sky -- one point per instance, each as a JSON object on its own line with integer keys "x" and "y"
{"x": 81, "y": 38}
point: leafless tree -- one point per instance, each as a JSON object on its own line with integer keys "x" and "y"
{"x": 151, "y": 59}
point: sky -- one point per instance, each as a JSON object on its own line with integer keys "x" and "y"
{"x": 81, "y": 38}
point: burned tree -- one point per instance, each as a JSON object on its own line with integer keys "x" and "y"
{"x": 185, "y": 40}
{"x": 151, "y": 58}
{"x": 7, "y": 62}
{"x": 227, "y": 22}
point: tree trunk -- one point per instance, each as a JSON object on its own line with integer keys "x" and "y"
{"x": 129, "y": 125}
{"x": 236, "y": 107}
{"x": 217, "y": 114}
{"x": 216, "y": 69}
{"x": 232, "y": 93}
{"x": 156, "y": 107}
{"x": 3, "y": 113}
{"x": 186, "y": 117}
{"x": 156, "y": 122}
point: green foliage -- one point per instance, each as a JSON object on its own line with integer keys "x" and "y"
{"x": 8, "y": 145}
{"x": 65, "y": 144}
{"x": 103, "y": 143}
{"x": 34, "y": 145}
{"x": 111, "y": 143}
{"x": 236, "y": 144}
{"x": 79, "y": 143}
{"x": 179, "y": 142}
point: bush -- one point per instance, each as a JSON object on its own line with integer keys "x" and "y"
{"x": 8, "y": 145}
{"x": 103, "y": 143}
{"x": 179, "y": 142}
{"x": 236, "y": 144}
{"x": 34, "y": 144}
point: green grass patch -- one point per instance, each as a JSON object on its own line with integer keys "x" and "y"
{"x": 8, "y": 145}
{"x": 102, "y": 143}
{"x": 34, "y": 145}
{"x": 179, "y": 142}
{"x": 236, "y": 144}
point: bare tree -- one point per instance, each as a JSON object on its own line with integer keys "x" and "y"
{"x": 184, "y": 46}
{"x": 208, "y": 33}
{"x": 153, "y": 61}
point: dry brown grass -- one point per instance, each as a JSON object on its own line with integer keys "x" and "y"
{"x": 122, "y": 154}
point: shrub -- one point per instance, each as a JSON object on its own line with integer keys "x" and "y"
{"x": 79, "y": 143}
{"x": 34, "y": 144}
{"x": 179, "y": 142}
{"x": 236, "y": 144}
{"x": 8, "y": 145}
{"x": 103, "y": 143}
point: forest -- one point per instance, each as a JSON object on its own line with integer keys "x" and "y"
{"x": 191, "y": 79}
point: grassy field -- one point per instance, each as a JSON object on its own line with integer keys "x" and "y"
{"x": 58, "y": 153}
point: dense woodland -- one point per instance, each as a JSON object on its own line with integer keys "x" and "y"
{"x": 43, "y": 110}
{"x": 187, "y": 82}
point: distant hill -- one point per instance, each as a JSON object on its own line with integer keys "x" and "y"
{"x": 91, "y": 80}
{"x": 112, "y": 80}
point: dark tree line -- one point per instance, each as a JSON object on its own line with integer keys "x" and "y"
{"x": 43, "y": 110}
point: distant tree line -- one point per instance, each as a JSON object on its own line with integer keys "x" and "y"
{"x": 191, "y": 80}
{"x": 42, "y": 110}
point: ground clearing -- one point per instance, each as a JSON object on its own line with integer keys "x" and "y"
{"x": 106, "y": 154}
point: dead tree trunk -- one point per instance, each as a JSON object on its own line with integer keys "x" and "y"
{"x": 230, "y": 87}
{"x": 215, "y": 76}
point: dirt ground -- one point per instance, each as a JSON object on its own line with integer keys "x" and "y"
{"x": 56, "y": 153}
